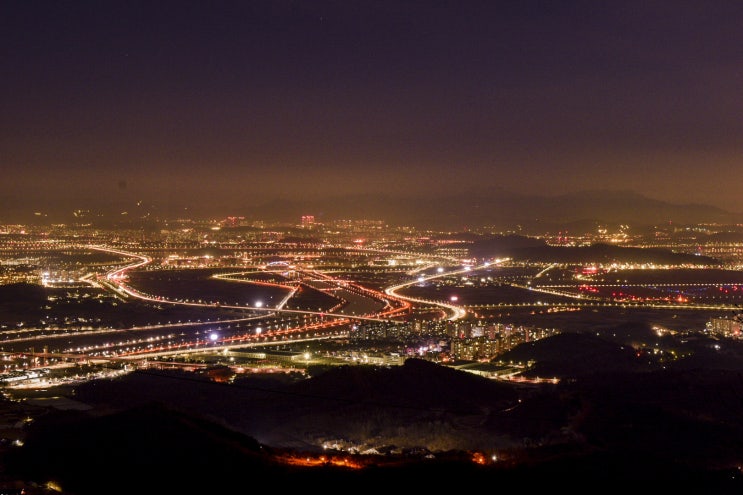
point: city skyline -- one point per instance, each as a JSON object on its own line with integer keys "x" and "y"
{"x": 276, "y": 352}
{"x": 237, "y": 104}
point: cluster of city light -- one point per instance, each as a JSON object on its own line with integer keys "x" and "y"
{"x": 392, "y": 304}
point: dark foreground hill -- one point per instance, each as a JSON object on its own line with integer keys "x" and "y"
{"x": 414, "y": 427}
{"x": 153, "y": 449}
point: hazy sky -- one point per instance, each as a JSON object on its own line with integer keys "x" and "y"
{"x": 240, "y": 102}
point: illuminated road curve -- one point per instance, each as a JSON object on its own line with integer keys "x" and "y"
{"x": 456, "y": 312}
{"x": 115, "y": 279}
{"x": 331, "y": 323}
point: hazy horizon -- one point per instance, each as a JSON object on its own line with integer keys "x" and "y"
{"x": 238, "y": 103}
{"x": 478, "y": 208}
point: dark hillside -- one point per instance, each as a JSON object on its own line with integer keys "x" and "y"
{"x": 572, "y": 354}
{"x": 525, "y": 248}
{"x": 620, "y": 413}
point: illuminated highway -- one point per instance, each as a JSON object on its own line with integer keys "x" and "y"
{"x": 271, "y": 325}
{"x": 456, "y": 312}
{"x": 320, "y": 280}
{"x": 356, "y": 303}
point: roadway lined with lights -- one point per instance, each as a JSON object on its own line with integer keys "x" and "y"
{"x": 457, "y": 311}
{"x": 394, "y": 305}
{"x": 118, "y": 275}
{"x": 607, "y": 304}
{"x": 114, "y": 280}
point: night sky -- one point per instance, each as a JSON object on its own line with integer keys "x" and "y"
{"x": 231, "y": 104}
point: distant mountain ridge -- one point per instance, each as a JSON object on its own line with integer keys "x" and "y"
{"x": 462, "y": 211}
{"x": 500, "y": 209}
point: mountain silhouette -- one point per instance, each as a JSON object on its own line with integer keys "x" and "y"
{"x": 495, "y": 209}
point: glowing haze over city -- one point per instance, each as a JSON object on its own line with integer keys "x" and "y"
{"x": 220, "y": 108}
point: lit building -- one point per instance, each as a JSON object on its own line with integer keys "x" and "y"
{"x": 726, "y": 327}
{"x": 308, "y": 220}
